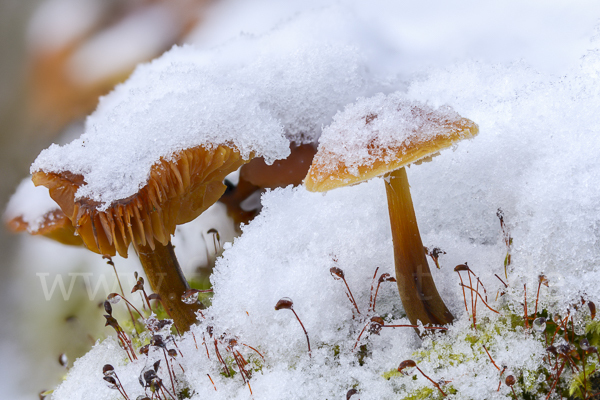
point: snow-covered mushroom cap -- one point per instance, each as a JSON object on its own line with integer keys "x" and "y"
{"x": 135, "y": 172}
{"x": 177, "y": 192}
{"x": 381, "y": 134}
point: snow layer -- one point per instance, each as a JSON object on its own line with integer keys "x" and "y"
{"x": 550, "y": 36}
{"x": 137, "y": 124}
{"x": 287, "y": 81}
{"x": 375, "y": 128}
{"x": 537, "y": 161}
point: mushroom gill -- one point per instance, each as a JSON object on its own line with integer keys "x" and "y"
{"x": 177, "y": 191}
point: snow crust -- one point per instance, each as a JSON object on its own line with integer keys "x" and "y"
{"x": 535, "y": 159}
{"x": 368, "y": 129}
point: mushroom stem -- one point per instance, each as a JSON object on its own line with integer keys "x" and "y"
{"x": 166, "y": 279}
{"x": 420, "y": 298}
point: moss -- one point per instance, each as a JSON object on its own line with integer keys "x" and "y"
{"x": 578, "y": 383}
{"x": 391, "y": 374}
{"x": 592, "y": 331}
{"x": 185, "y": 394}
{"x": 442, "y": 352}
{"x": 423, "y": 393}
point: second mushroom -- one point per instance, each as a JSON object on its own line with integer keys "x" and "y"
{"x": 379, "y": 136}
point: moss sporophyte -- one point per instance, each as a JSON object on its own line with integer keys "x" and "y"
{"x": 567, "y": 361}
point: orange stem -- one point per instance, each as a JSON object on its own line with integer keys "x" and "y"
{"x": 419, "y": 295}
{"x": 166, "y": 279}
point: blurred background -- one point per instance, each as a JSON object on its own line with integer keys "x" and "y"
{"x": 18, "y": 145}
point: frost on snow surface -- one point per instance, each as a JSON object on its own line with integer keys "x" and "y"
{"x": 377, "y": 128}
{"x": 256, "y": 94}
{"x": 536, "y": 159}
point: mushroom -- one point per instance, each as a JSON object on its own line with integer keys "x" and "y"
{"x": 281, "y": 173}
{"x": 31, "y": 210}
{"x": 153, "y": 155}
{"x": 379, "y": 136}
{"x": 257, "y": 175}
{"x": 177, "y": 191}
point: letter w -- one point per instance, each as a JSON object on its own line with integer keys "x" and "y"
{"x": 58, "y": 281}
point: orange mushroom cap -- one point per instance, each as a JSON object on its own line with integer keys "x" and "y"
{"x": 443, "y": 129}
{"x": 55, "y": 225}
{"x": 176, "y": 192}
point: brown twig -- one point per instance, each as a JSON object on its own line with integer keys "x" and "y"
{"x": 525, "y": 306}
{"x": 542, "y": 281}
{"x": 410, "y": 363}
{"x": 371, "y": 291}
{"x": 505, "y": 285}
{"x": 383, "y": 278}
{"x": 213, "y": 382}
{"x": 556, "y": 380}
{"x": 110, "y": 262}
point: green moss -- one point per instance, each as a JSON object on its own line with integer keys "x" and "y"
{"x": 443, "y": 352}
{"x": 578, "y": 383}
{"x": 185, "y": 394}
{"x": 423, "y": 393}
{"x": 391, "y": 374}
{"x": 592, "y": 331}
{"x": 254, "y": 364}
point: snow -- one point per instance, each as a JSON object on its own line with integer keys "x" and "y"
{"x": 377, "y": 128}
{"x": 285, "y": 82}
{"x": 128, "y": 134}
{"x": 535, "y": 159}
{"x": 549, "y": 36}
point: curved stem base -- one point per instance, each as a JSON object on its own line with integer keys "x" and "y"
{"x": 419, "y": 295}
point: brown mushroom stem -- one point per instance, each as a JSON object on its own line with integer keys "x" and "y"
{"x": 166, "y": 279}
{"x": 418, "y": 293}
